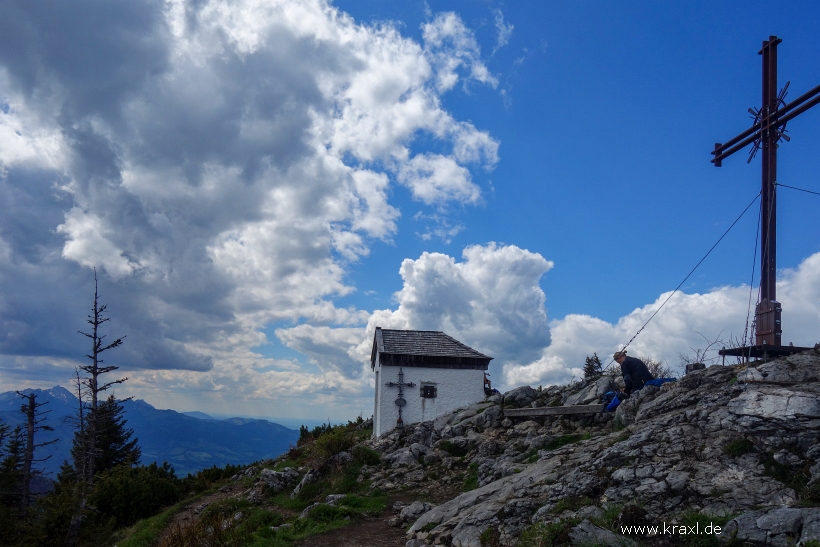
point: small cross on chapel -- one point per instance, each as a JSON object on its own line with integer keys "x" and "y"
{"x": 421, "y": 375}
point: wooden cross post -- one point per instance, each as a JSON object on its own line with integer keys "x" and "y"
{"x": 768, "y": 129}
{"x": 400, "y": 402}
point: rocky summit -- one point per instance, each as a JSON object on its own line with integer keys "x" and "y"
{"x": 731, "y": 447}
{"x": 725, "y": 455}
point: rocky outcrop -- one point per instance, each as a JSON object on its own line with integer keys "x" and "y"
{"x": 311, "y": 476}
{"x": 726, "y": 440}
{"x": 278, "y": 480}
{"x": 781, "y": 527}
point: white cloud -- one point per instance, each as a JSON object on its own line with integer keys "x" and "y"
{"x": 433, "y": 178}
{"x": 504, "y": 31}
{"x": 449, "y": 46}
{"x": 684, "y": 323}
{"x": 89, "y": 245}
{"x": 225, "y": 162}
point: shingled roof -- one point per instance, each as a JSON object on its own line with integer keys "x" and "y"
{"x": 424, "y": 348}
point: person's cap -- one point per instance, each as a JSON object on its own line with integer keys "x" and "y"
{"x": 619, "y": 354}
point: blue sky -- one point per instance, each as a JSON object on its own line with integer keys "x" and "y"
{"x": 260, "y": 184}
{"x": 608, "y": 117}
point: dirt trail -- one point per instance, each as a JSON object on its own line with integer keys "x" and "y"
{"x": 370, "y": 532}
{"x": 375, "y": 531}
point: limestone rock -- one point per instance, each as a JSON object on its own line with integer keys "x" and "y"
{"x": 278, "y": 480}
{"x": 587, "y": 533}
{"x": 520, "y": 396}
{"x": 311, "y": 476}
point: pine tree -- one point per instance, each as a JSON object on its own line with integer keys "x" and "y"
{"x": 115, "y": 445}
{"x": 11, "y": 465}
{"x": 34, "y": 423}
{"x": 593, "y": 367}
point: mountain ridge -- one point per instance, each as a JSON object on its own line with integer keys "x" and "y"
{"x": 188, "y": 443}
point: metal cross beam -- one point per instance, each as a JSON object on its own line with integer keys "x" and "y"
{"x": 400, "y": 402}
{"x": 768, "y": 129}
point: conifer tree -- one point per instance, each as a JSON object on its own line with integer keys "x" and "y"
{"x": 593, "y": 366}
{"x": 34, "y": 423}
{"x": 114, "y": 443}
{"x": 87, "y": 449}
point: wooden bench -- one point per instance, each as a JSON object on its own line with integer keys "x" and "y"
{"x": 553, "y": 410}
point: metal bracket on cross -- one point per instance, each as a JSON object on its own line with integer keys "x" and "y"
{"x": 400, "y": 402}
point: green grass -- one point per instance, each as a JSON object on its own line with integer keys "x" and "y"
{"x": 532, "y": 456}
{"x": 553, "y": 534}
{"x": 571, "y": 504}
{"x": 471, "y": 478}
{"x": 145, "y": 532}
{"x": 564, "y": 440}
{"x": 490, "y": 537}
{"x": 610, "y": 516}
{"x": 789, "y": 475}
{"x": 738, "y": 447}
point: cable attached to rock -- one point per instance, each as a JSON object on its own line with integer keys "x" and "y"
{"x": 689, "y": 274}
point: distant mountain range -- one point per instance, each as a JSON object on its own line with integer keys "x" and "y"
{"x": 189, "y": 441}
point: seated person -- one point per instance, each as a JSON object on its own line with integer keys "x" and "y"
{"x": 634, "y": 372}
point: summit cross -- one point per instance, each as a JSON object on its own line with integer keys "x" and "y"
{"x": 768, "y": 129}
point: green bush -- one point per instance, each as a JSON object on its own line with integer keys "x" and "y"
{"x": 334, "y": 442}
{"x": 365, "y": 456}
{"x": 204, "y": 479}
{"x": 129, "y": 494}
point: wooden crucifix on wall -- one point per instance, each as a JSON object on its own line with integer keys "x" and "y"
{"x": 768, "y": 129}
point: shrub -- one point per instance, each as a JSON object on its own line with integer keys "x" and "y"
{"x": 204, "y": 479}
{"x": 365, "y": 456}
{"x": 131, "y": 493}
{"x": 334, "y": 442}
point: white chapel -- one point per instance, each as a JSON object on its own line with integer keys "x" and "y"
{"x": 421, "y": 375}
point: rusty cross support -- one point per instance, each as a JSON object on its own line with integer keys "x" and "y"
{"x": 768, "y": 129}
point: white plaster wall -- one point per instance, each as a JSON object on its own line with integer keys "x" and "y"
{"x": 456, "y": 388}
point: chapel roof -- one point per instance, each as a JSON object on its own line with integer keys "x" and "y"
{"x": 424, "y": 347}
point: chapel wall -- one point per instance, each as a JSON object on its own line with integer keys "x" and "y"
{"x": 455, "y": 388}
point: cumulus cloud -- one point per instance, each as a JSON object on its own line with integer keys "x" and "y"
{"x": 222, "y": 164}
{"x": 684, "y": 325}
{"x": 491, "y": 301}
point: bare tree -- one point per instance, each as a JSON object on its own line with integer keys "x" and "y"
{"x": 701, "y": 355}
{"x": 94, "y": 370}
{"x": 90, "y": 386}
{"x": 34, "y": 423}
{"x": 658, "y": 368}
